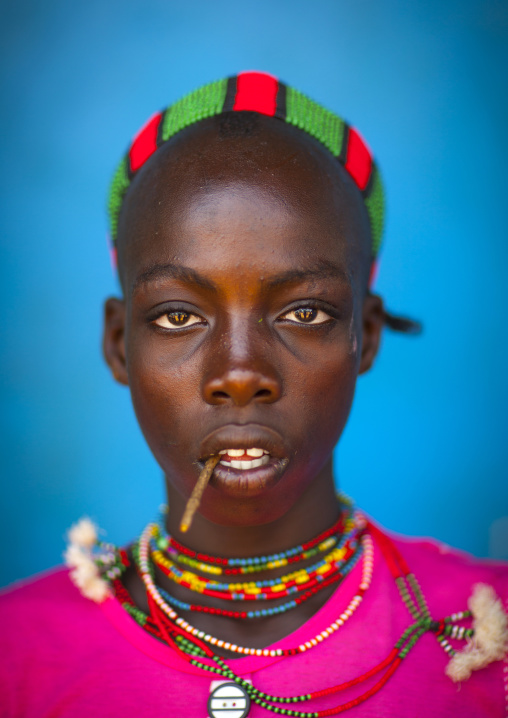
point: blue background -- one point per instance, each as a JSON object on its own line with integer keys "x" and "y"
{"x": 425, "y": 82}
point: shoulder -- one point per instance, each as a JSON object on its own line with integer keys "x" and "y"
{"x": 453, "y": 581}
{"x": 36, "y": 585}
{"x": 47, "y": 613}
{"x": 431, "y": 554}
{"x": 51, "y": 634}
{"x": 47, "y": 594}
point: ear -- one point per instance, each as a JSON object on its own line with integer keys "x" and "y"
{"x": 373, "y": 321}
{"x": 113, "y": 341}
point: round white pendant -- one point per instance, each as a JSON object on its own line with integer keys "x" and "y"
{"x": 229, "y": 700}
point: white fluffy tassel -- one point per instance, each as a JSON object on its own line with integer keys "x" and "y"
{"x": 78, "y": 557}
{"x": 490, "y": 640}
{"x": 84, "y": 533}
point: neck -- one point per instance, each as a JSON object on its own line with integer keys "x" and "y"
{"x": 312, "y": 512}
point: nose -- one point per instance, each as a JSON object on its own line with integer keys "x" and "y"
{"x": 240, "y": 375}
{"x": 240, "y": 386}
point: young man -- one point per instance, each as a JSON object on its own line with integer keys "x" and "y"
{"x": 246, "y": 223}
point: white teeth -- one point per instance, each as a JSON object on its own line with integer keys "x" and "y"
{"x": 256, "y": 452}
{"x": 240, "y": 452}
{"x": 247, "y": 464}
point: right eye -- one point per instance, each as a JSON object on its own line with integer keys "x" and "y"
{"x": 176, "y": 319}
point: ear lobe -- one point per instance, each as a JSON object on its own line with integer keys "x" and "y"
{"x": 113, "y": 341}
{"x": 373, "y": 321}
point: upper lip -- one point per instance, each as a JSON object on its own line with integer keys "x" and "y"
{"x": 245, "y": 436}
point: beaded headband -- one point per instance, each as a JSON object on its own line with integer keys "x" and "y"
{"x": 262, "y": 93}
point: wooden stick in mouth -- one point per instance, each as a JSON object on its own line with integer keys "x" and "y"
{"x": 197, "y": 493}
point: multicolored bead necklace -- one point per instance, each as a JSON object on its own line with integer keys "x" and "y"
{"x": 299, "y": 586}
{"x": 232, "y": 566}
{"x": 321, "y": 583}
{"x": 163, "y": 611}
{"x": 333, "y": 566}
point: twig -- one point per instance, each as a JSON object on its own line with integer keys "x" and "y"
{"x": 197, "y": 493}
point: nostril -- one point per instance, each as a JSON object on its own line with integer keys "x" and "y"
{"x": 220, "y": 395}
{"x": 263, "y": 392}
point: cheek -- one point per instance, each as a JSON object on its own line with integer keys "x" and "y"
{"x": 164, "y": 395}
{"x": 323, "y": 397}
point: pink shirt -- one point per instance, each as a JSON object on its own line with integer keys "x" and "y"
{"x": 65, "y": 656}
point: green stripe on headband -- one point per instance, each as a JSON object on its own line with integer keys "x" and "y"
{"x": 375, "y": 204}
{"x": 315, "y": 120}
{"x": 207, "y": 101}
{"x": 119, "y": 186}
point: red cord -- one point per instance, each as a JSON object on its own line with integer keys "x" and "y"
{"x": 394, "y": 560}
{"x": 156, "y": 611}
{"x": 368, "y": 694}
{"x": 360, "y": 679}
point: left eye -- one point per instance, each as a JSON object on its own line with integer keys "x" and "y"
{"x": 306, "y": 315}
{"x": 178, "y": 318}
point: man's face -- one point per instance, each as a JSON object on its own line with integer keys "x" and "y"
{"x": 243, "y": 264}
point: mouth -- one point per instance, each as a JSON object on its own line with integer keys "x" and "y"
{"x": 252, "y": 459}
{"x": 244, "y": 459}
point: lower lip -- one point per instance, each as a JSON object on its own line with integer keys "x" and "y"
{"x": 248, "y": 482}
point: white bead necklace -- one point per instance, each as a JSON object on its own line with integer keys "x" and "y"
{"x": 144, "y": 554}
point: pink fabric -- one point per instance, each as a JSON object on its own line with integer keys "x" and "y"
{"x": 64, "y": 656}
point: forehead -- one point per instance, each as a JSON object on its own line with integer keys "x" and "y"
{"x": 262, "y": 189}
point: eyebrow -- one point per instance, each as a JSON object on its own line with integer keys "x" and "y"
{"x": 173, "y": 271}
{"x": 321, "y": 269}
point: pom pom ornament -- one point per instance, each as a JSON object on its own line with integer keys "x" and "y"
{"x": 490, "y": 640}
{"x": 83, "y": 534}
{"x": 89, "y": 559}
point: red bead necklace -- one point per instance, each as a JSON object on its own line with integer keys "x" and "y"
{"x": 236, "y": 566}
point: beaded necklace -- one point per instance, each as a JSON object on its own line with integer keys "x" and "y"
{"x": 305, "y": 582}
{"x": 282, "y": 608}
{"x": 232, "y": 566}
{"x": 293, "y": 583}
{"x": 166, "y": 612}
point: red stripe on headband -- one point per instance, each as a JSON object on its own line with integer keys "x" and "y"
{"x": 256, "y": 92}
{"x": 145, "y": 143}
{"x": 358, "y": 160}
